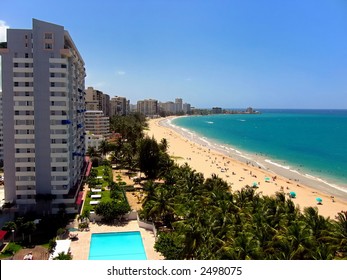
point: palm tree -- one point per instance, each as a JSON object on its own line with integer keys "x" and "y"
{"x": 338, "y": 236}
{"x": 63, "y": 256}
{"x": 317, "y": 223}
{"x": 162, "y": 207}
{"x": 300, "y": 239}
{"x": 103, "y": 148}
{"x": 149, "y": 157}
{"x": 163, "y": 146}
{"x": 246, "y": 246}
{"x": 92, "y": 152}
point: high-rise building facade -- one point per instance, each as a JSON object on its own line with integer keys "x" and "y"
{"x": 148, "y": 107}
{"x": 96, "y": 100}
{"x": 43, "y": 118}
{"x": 119, "y": 106}
{"x": 179, "y": 105}
{"x": 1, "y": 133}
{"x": 97, "y": 123}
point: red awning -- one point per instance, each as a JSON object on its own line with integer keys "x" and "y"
{"x": 2, "y": 234}
{"x": 79, "y": 198}
{"x": 89, "y": 168}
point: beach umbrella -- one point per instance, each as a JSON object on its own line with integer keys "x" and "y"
{"x": 319, "y": 200}
{"x": 255, "y": 185}
{"x": 292, "y": 194}
{"x": 267, "y": 179}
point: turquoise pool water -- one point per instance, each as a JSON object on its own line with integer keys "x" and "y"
{"x": 117, "y": 246}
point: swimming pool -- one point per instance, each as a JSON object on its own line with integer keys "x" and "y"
{"x": 117, "y": 246}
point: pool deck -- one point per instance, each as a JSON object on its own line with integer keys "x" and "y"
{"x": 80, "y": 247}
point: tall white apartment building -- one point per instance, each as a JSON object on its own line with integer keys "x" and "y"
{"x": 43, "y": 118}
{"x": 179, "y": 105}
{"x": 1, "y": 133}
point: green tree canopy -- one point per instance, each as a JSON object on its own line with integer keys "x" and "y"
{"x": 149, "y": 157}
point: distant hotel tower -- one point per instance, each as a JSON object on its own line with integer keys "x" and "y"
{"x": 43, "y": 118}
{"x": 148, "y": 107}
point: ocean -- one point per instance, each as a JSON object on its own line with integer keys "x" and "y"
{"x": 311, "y": 143}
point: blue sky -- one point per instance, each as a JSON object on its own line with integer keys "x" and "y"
{"x": 232, "y": 54}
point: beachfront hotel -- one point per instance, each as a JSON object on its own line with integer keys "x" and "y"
{"x": 43, "y": 118}
{"x": 148, "y": 107}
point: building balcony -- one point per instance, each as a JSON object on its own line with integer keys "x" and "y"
{"x": 25, "y": 192}
{"x": 21, "y": 89}
{"x": 24, "y": 108}
{"x": 58, "y": 89}
{"x": 58, "y": 80}
{"x": 26, "y": 184}
{"x": 24, "y": 201}
{"x": 65, "y": 52}
{"x": 23, "y": 98}
{"x": 24, "y": 164}
{"x": 22, "y": 70}
{"x": 23, "y": 60}
{"x": 58, "y": 60}
{"x": 23, "y": 79}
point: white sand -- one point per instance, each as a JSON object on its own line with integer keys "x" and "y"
{"x": 207, "y": 160}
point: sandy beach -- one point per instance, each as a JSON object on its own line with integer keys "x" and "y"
{"x": 239, "y": 173}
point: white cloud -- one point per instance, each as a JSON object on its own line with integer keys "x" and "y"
{"x": 3, "y": 28}
{"x": 120, "y": 73}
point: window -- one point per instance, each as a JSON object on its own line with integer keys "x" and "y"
{"x": 48, "y": 46}
{"x": 48, "y": 36}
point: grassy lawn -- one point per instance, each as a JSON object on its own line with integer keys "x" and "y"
{"x": 10, "y": 250}
{"x": 101, "y": 171}
{"x": 105, "y": 193}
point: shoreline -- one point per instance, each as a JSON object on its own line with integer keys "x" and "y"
{"x": 294, "y": 174}
{"x": 241, "y": 169}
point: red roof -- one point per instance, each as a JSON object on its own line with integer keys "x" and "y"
{"x": 89, "y": 168}
{"x": 2, "y": 234}
{"x": 79, "y": 198}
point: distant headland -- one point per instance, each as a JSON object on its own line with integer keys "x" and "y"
{"x": 219, "y": 110}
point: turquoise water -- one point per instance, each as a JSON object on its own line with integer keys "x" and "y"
{"x": 117, "y": 246}
{"x": 310, "y": 140}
